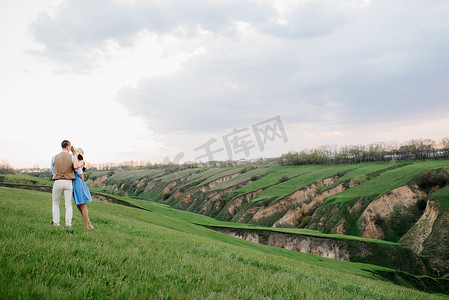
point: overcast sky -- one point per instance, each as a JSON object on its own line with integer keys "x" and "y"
{"x": 142, "y": 80}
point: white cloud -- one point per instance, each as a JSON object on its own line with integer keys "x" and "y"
{"x": 385, "y": 62}
{"x": 156, "y": 77}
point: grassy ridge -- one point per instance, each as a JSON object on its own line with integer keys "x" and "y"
{"x": 252, "y": 174}
{"x": 368, "y": 169}
{"x": 205, "y": 173}
{"x": 208, "y": 221}
{"x": 222, "y": 172}
{"x": 283, "y": 189}
{"x": 147, "y": 254}
{"x": 121, "y": 176}
{"x": 273, "y": 177}
{"x": 386, "y": 181}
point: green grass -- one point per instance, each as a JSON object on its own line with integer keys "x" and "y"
{"x": 273, "y": 177}
{"x": 387, "y": 181}
{"x": 208, "y": 221}
{"x": 123, "y": 175}
{"x": 361, "y": 169}
{"x": 177, "y": 175}
{"x": 442, "y": 196}
{"x": 204, "y": 173}
{"x": 283, "y": 189}
{"x": 96, "y": 174}
{"x": 241, "y": 178}
{"x": 146, "y": 254}
{"x": 225, "y": 172}
{"x": 20, "y": 178}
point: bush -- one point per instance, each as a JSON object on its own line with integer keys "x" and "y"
{"x": 430, "y": 179}
{"x": 421, "y": 204}
{"x": 358, "y": 180}
{"x": 400, "y": 221}
{"x": 283, "y": 178}
{"x": 319, "y": 186}
{"x": 304, "y": 221}
{"x": 378, "y": 220}
{"x": 140, "y": 190}
{"x": 394, "y": 163}
{"x": 121, "y": 193}
{"x": 254, "y": 177}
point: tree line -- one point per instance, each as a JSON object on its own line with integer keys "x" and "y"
{"x": 417, "y": 149}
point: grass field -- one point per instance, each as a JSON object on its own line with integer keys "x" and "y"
{"x": 24, "y": 179}
{"x": 301, "y": 176}
{"x": 283, "y": 189}
{"x": 387, "y": 181}
{"x": 160, "y": 254}
{"x": 207, "y": 221}
{"x": 204, "y": 173}
{"x": 273, "y": 177}
{"x": 368, "y": 169}
{"x": 252, "y": 174}
{"x": 131, "y": 174}
{"x": 219, "y": 173}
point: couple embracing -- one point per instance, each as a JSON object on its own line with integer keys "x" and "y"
{"x": 67, "y": 168}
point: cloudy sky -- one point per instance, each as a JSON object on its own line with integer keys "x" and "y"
{"x": 143, "y": 80}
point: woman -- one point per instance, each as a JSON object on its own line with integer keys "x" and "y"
{"x": 81, "y": 193}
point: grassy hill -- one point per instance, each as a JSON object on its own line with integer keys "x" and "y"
{"x": 161, "y": 253}
{"x": 392, "y": 202}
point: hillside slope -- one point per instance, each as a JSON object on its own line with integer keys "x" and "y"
{"x": 373, "y": 200}
{"x": 135, "y": 253}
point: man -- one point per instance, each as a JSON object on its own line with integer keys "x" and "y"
{"x": 63, "y": 167}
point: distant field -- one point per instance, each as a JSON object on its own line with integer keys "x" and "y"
{"x": 273, "y": 177}
{"x": 204, "y": 173}
{"x": 219, "y": 173}
{"x": 160, "y": 253}
{"x": 368, "y": 169}
{"x": 131, "y": 174}
{"x": 25, "y": 179}
{"x": 283, "y": 189}
{"x": 249, "y": 175}
{"x": 387, "y": 181}
{"x": 177, "y": 175}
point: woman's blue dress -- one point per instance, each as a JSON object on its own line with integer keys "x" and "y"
{"x": 81, "y": 192}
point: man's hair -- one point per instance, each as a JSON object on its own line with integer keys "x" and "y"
{"x": 65, "y": 143}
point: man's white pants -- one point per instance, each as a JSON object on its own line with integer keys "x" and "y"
{"x": 60, "y": 187}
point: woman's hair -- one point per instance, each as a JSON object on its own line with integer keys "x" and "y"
{"x": 80, "y": 157}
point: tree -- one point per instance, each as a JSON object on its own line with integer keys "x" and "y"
{"x": 444, "y": 145}
{"x": 6, "y": 168}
